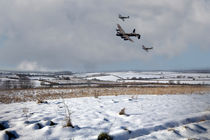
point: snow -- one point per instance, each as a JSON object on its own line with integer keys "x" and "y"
{"x": 105, "y": 78}
{"x": 131, "y": 74}
{"x": 152, "y": 77}
{"x": 102, "y": 78}
{"x": 36, "y": 83}
{"x": 147, "y": 117}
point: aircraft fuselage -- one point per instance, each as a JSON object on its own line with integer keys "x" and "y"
{"x": 128, "y": 34}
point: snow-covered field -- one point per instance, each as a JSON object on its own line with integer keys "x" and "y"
{"x": 15, "y": 80}
{"x": 146, "y": 117}
{"x": 152, "y": 77}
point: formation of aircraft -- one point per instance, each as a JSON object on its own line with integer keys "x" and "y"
{"x": 146, "y": 48}
{"x": 123, "y": 17}
{"x": 126, "y": 36}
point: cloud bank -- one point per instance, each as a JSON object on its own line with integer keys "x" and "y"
{"x": 78, "y": 35}
{"x": 30, "y": 66}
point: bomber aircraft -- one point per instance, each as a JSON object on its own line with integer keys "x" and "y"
{"x": 123, "y": 17}
{"x": 147, "y": 48}
{"x": 126, "y": 36}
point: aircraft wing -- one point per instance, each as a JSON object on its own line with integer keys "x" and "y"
{"x": 123, "y": 33}
{"x": 150, "y": 48}
{"x": 120, "y": 29}
{"x": 127, "y": 37}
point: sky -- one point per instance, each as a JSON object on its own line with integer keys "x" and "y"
{"x": 80, "y": 36}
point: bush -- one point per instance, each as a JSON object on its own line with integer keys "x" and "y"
{"x": 122, "y": 111}
{"x": 96, "y": 94}
{"x": 104, "y": 136}
{"x": 68, "y": 116}
{"x": 68, "y": 122}
{"x": 40, "y": 101}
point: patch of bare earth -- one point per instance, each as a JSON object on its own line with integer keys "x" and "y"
{"x": 9, "y": 96}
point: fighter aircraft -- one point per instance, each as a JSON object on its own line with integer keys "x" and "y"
{"x": 147, "y": 48}
{"x": 123, "y": 17}
{"x": 126, "y": 36}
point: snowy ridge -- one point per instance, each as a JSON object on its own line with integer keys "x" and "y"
{"x": 171, "y": 124}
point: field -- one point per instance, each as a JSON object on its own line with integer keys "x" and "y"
{"x": 180, "y": 116}
{"x": 86, "y": 106}
{"x": 11, "y": 96}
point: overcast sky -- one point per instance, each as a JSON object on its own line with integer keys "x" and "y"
{"x": 79, "y": 35}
